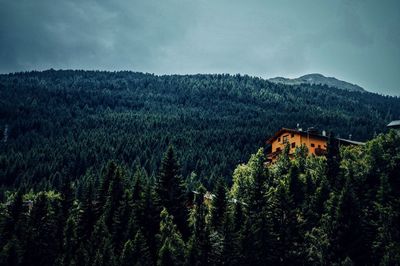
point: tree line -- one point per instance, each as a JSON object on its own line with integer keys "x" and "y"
{"x": 342, "y": 209}
{"x": 56, "y": 124}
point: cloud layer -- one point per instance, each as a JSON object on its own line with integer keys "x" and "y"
{"x": 353, "y": 40}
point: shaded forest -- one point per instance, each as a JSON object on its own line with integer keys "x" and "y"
{"x": 67, "y": 124}
{"x": 338, "y": 210}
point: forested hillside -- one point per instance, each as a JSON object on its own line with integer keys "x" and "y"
{"x": 65, "y": 124}
{"x": 338, "y": 210}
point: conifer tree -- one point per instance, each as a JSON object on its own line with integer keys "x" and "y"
{"x": 151, "y": 218}
{"x": 70, "y": 242}
{"x": 172, "y": 248}
{"x": 231, "y": 238}
{"x": 10, "y": 222}
{"x": 333, "y": 162}
{"x": 128, "y": 255}
{"x": 199, "y": 244}
{"x": 108, "y": 174}
{"x": 142, "y": 251}
{"x": 67, "y": 195}
{"x": 102, "y": 250}
{"x": 219, "y": 205}
{"x": 285, "y": 224}
{"x": 348, "y": 238}
{"x": 296, "y": 186}
{"x": 41, "y": 244}
{"x": 136, "y": 252}
{"x": 114, "y": 197}
{"x": 10, "y": 254}
{"x": 87, "y": 214}
{"x": 170, "y": 190}
{"x": 121, "y": 220}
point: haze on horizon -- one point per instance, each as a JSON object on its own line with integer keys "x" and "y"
{"x": 353, "y": 40}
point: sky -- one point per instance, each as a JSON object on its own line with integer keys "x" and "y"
{"x": 353, "y": 40}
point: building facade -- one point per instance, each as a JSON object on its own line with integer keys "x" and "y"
{"x": 315, "y": 142}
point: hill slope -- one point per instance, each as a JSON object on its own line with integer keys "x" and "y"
{"x": 70, "y": 121}
{"x": 318, "y": 79}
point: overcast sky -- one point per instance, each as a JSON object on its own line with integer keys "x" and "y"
{"x": 354, "y": 40}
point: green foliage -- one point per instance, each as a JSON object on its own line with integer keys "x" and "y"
{"x": 219, "y": 205}
{"x": 172, "y": 248}
{"x": 290, "y": 213}
{"x": 69, "y": 121}
{"x": 136, "y": 252}
{"x": 170, "y": 190}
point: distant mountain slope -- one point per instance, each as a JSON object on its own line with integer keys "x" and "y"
{"x": 318, "y": 79}
{"x": 70, "y": 121}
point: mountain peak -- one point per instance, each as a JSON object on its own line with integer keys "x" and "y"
{"x": 316, "y": 78}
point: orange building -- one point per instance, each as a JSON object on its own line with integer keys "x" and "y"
{"x": 312, "y": 139}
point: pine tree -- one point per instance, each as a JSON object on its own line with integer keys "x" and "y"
{"x": 219, "y": 205}
{"x": 172, "y": 247}
{"x": 151, "y": 218}
{"x": 70, "y": 242}
{"x": 128, "y": 255}
{"x": 87, "y": 214}
{"x": 136, "y": 252}
{"x": 67, "y": 200}
{"x": 296, "y": 186}
{"x": 170, "y": 190}
{"x": 102, "y": 250}
{"x": 108, "y": 174}
{"x": 333, "y": 162}
{"x": 199, "y": 244}
{"x": 283, "y": 215}
{"x": 10, "y": 222}
{"x": 41, "y": 244}
{"x": 114, "y": 198}
{"x": 348, "y": 238}
{"x": 121, "y": 220}
{"x": 10, "y": 254}
{"x": 231, "y": 236}
{"x": 67, "y": 194}
{"x": 142, "y": 251}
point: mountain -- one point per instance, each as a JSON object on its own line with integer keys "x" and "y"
{"x": 69, "y": 122}
{"x": 319, "y": 79}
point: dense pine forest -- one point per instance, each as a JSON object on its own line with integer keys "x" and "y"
{"x": 338, "y": 210}
{"x": 124, "y": 168}
{"x": 65, "y": 124}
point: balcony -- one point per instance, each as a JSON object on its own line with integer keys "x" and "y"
{"x": 320, "y": 152}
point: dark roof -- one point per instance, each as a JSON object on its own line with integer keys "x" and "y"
{"x": 288, "y": 130}
{"x": 395, "y": 123}
{"x": 306, "y": 133}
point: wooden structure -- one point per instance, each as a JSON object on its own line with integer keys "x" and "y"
{"x": 315, "y": 141}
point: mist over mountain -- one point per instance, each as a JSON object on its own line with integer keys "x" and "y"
{"x": 318, "y": 79}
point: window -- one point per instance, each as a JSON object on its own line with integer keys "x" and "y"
{"x": 279, "y": 139}
{"x": 285, "y": 139}
{"x": 312, "y": 145}
{"x": 293, "y": 145}
{"x": 292, "y": 135}
{"x": 319, "y": 146}
{"x": 278, "y": 149}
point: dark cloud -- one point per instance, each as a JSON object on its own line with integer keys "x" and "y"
{"x": 353, "y": 40}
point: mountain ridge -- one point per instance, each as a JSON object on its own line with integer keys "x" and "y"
{"x": 316, "y": 78}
